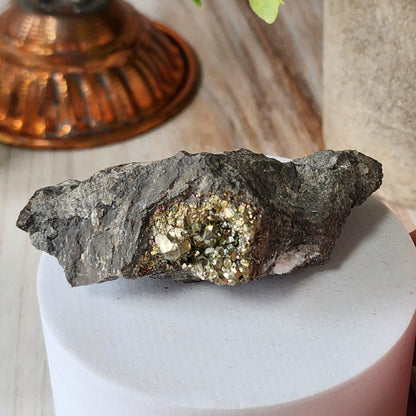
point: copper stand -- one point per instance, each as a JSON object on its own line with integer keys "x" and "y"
{"x": 74, "y": 80}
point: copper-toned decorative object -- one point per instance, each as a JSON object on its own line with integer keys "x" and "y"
{"x": 80, "y": 73}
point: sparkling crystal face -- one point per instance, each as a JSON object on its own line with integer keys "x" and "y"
{"x": 211, "y": 238}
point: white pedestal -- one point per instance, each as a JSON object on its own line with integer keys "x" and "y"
{"x": 333, "y": 340}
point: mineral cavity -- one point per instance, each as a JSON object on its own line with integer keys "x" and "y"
{"x": 210, "y": 237}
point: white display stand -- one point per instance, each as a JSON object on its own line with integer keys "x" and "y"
{"x": 331, "y": 340}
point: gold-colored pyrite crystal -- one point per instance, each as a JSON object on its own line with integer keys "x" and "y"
{"x": 210, "y": 237}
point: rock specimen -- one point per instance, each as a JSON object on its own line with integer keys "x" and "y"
{"x": 225, "y": 218}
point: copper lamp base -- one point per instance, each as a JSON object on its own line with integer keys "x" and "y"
{"x": 73, "y": 79}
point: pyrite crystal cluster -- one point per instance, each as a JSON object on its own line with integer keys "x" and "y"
{"x": 224, "y": 218}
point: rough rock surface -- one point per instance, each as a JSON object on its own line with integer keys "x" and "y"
{"x": 224, "y": 218}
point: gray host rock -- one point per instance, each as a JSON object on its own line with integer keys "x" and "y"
{"x": 224, "y": 218}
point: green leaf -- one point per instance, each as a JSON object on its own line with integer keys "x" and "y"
{"x": 266, "y": 9}
{"x": 198, "y": 3}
